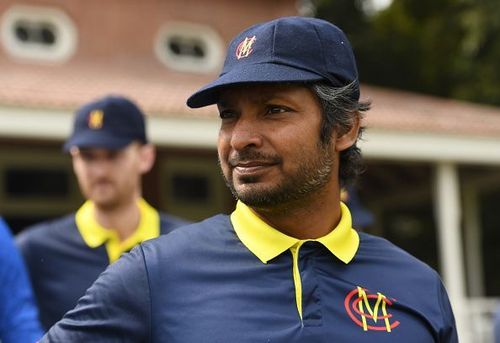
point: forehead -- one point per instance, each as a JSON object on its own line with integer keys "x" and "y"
{"x": 99, "y": 150}
{"x": 262, "y": 93}
{"x": 96, "y": 152}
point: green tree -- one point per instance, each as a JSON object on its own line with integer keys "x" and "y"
{"x": 447, "y": 47}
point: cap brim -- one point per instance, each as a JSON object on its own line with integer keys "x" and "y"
{"x": 250, "y": 73}
{"x": 96, "y": 139}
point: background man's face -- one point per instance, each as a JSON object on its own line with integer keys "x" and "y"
{"x": 269, "y": 147}
{"x": 109, "y": 177}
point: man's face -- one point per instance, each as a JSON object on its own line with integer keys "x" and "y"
{"x": 111, "y": 177}
{"x": 269, "y": 147}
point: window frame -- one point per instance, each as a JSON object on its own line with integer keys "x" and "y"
{"x": 213, "y": 43}
{"x": 66, "y": 36}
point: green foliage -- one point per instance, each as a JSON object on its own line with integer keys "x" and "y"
{"x": 446, "y": 47}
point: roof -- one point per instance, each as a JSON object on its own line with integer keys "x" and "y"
{"x": 56, "y": 87}
{"x": 405, "y": 111}
{"x": 119, "y": 57}
{"x": 127, "y": 66}
{"x": 164, "y": 94}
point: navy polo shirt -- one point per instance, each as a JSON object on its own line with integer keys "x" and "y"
{"x": 65, "y": 256}
{"x": 224, "y": 280}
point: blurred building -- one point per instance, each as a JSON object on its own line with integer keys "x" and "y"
{"x": 433, "y": 184}
{"x": 432, "y": 180}
{"x": 55, "y": 56}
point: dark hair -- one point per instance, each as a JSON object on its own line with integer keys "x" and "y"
{"x": 340, "y": 110}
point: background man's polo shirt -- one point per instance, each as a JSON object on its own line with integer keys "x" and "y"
{"x": 64, "y": 258}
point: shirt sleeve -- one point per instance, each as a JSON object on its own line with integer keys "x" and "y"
{"x": 116, "y": 308}
{"x": 18, "y": 312}
{"x": 448, "y": 332}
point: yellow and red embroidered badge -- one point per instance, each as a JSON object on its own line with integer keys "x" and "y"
{"x": 96, "y": 119}
{"x": 244, "y": 49}
{"x": 363, "y": 308}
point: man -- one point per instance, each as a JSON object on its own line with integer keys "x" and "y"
{"x": 286, "y": 265}
{"x": 110, "y": 153}
{"x": 18, "y": 312}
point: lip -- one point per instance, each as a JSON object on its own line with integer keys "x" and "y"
{"x": 253, "y": 167}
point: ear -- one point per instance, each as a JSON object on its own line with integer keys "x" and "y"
{"x": 73, "y": 153}
{"x": 147, "y": 156}
{"x": 347, "y": 139}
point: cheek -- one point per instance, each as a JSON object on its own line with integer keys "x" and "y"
{"x": 84, "y": 181}
{"x": 127, "y": 171}
{"x": 222, "y": 147}
{"x": 81, "y": 173}
{"x": 223, "y": 164}
{"x": 295, "y": 153}
{"x": 223, "y": 156}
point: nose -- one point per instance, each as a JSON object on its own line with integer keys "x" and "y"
{"x": 244, "y": 133}
{"x": 99, "y": 167}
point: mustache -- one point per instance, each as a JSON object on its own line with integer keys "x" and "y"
{"x": 249, "y": 155}
{"x": 101, "y": 180}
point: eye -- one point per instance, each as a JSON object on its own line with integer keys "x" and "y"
{"x": 277, "y": 109}
{"x": 115, "y": 154}
{"x": 85, "y": 155}
{"x": 227, "y": 114}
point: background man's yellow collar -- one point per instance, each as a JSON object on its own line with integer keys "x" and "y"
{"x": 95, "y": 235}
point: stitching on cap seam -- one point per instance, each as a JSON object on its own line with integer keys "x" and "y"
{"x": 322, "y": 47}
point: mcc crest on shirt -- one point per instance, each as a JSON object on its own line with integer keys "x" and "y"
{"x": 370, "y": 311}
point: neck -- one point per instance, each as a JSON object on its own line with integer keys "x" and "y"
{"x": 313, "y": 221}
{"x": 123, "y": 219}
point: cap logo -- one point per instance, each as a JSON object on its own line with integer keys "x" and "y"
{"x": 244, "y": 49}
{"x": 96, "y": 119}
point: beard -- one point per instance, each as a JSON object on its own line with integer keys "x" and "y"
{"x": 312, "y": 173}
{"x": 103, "y": 193}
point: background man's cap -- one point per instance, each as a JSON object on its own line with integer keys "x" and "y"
{"x": 111, "y": 123}
{"x": 288, "y": 49}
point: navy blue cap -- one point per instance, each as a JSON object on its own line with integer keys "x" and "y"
{"x": 288, "y": 49}
{"x": 111, "y": 123}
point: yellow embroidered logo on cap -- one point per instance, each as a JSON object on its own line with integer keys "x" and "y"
{"x": 245, "y": 47}
{"x": 96, "y": 118}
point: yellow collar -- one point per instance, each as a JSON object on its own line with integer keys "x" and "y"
{"x": 96, "y": 235}
{"x": 266, "y": 242}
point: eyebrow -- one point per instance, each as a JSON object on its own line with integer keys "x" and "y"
{"x": 260, "y": 97}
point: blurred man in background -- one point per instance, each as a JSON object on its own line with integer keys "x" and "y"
{"x": 18, "y": 312}
{"x": 110, "y": 153}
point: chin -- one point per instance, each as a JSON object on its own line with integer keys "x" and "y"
{"x": 256, "y": 195}
{"x": 104, "y": 202}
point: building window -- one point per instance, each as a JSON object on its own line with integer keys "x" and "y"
{"x": 36, "y": 183}
{"x": 189, "y": 47}
{"x": 35, "y": 33}
{"x": 31, "y": 183}
{"x": 192, "y": 187}
{"x": 38, "y": 34}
